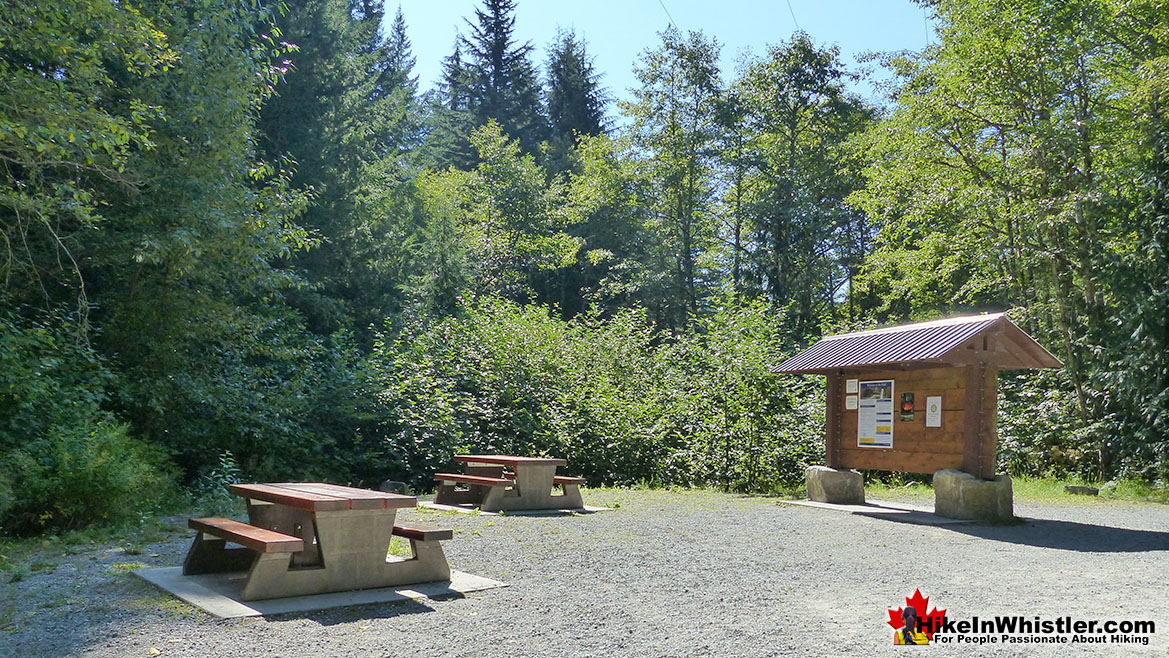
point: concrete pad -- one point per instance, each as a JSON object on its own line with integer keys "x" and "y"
{"x": 218, "y": 593}
{"x": 879, "y": 509}
{"x": 470, "y": 509}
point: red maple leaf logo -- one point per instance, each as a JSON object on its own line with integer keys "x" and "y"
{"x": 930, "y": 622}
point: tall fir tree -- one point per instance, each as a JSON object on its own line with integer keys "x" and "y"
{"x": 396, "y": 61}
{"x": 503, "y": 84}
{"x": 576, "y": 100}
{"x": 449, "y": 117}
{"x": 345, "y": 117}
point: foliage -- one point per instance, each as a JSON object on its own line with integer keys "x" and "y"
{"x": 510, "y": 219}
{"x": 576, "y": 101}
{"x": 67, "y": 127}
{"x": 674, "y": 125}
{"x": 500, "y": 79}
{"x": 1023, "y": 166}
{"x": 795, "y": 236}
{"x": 65, "y": 462}
{"x": 207, "y": 209}
{"x": 611, "y": 396}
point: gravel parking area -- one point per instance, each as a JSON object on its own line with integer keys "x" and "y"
{"x": 669, "y": 573}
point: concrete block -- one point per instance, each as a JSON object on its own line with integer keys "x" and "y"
{"x": 959, "y": 495}
{"x": 829, "y": 485}
{"x": 394, "y": 487}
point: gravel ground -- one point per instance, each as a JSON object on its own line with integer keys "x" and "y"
{"x": 667, "y": 574}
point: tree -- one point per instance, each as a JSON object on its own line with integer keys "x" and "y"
{"x": 795, "y": 120}
{"x": 502, "y": 82}
{"x": 450, "y": 117}
{"x": 346, "y": 117}
{"x": 510, "y": 220}
{"x": 1016, "y": 170}
{"x": 70, "y": 129}
{"x": 576, "y": 101}
{"x": 396, "y": 61}
{"x": 674, "y": 124}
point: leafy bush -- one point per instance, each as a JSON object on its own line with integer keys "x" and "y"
{"x": 1039, "y": 432}
{"x": 66, "y": 463}
{"x": 621, "y": 402}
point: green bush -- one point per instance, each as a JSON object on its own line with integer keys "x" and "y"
{"x": 620, "y": 401}
{"x": 66, "y": 462}
{"x": 1040, "y": 433}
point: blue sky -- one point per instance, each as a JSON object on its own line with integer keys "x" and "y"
{"x": 618, "y": 31}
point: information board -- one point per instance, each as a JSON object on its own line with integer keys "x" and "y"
{"x": 875, "y": 416}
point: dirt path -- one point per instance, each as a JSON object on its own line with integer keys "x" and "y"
{"x": 667, "y": 574}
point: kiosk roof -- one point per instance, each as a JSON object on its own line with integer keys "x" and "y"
{"x": 924, "y": 344}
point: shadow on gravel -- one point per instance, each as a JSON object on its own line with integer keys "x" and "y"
{"x": 348, "y": 615}
{"x": 1071, "y": 536}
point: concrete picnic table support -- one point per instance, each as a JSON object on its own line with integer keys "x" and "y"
{"x": 528, "y": 487}
{"x": 345, "y": 535}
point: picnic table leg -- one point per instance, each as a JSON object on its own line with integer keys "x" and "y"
{"x": 532, "y": 490}
{"x": 210, "y": 555}
{"x": 449, "y": 494}
{"x": 428, "y": 565}
{"x": 288, "y": 521}
{"x": 268, "y": 578}
{"x": 571, "y": 498}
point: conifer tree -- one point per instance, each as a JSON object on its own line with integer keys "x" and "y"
{"x": 576, "y": 101}
{"x": 502, "y": 79}
{"x": 344, "y": 118}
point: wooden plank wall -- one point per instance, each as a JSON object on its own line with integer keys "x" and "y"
{"x": 916, "y": 448}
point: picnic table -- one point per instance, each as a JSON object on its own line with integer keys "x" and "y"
{"x": 527, "y": 486}
{"x": 312, "y": 537}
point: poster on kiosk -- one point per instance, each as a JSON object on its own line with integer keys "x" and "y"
{"x": 875, "y": 416}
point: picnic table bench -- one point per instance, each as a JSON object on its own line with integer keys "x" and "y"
{"x": 527, "y": 486}
{"x": 311, "y": 538}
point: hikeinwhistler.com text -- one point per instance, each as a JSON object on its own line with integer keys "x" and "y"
{"x": 1016, "y": 629}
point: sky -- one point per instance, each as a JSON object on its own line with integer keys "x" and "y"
{"x": 619, "y": 31}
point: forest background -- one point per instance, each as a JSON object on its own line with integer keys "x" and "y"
{"x": 237, "y": 240}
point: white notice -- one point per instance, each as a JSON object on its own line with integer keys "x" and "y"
{"x": 850, "y": 386}
{"x": 850, "y": 402}
{"x": 933, "y": 411}
{"x": 875, "y": 416}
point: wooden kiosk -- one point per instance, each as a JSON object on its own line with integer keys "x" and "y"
{"x": 916, "y": 398}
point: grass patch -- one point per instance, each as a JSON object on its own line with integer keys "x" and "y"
{"x": 126, "y": 567}
{"x": 1046, "y": 490}
{"x": 399, "y": 547}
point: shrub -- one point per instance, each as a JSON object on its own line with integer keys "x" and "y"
{"x": 66, "y": 463}
{"x": 620, "y": 401}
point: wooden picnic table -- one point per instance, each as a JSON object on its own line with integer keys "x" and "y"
{"x": 313, "y": 537}
{"x": 527, "y": 486}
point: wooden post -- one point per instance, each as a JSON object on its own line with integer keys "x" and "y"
{"x": 990, "y": 434}
{"x": 975, "y": 459}
{"x": 832, "y": 412}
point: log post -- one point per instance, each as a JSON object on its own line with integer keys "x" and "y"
{"x": 832, "y": 411}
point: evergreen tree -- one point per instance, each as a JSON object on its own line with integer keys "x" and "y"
{"x": 502, "y": 80}
{"x": 345, "y": 116}
{"x": 396, "y": 61}
{"x": 576, "y": 101}
{"x": 450, "y": 119}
